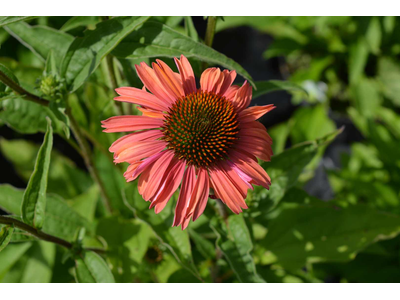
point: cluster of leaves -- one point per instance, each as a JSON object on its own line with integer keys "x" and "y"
{"x": 108, "y": 233}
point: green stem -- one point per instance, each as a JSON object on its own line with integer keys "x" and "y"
{"x": 21, "y": 91}
{"x": 114, "y": 84}
{"x": 210, "y": 32}
{"x": 40, "y": 234}
{"x": 87, "y": 157}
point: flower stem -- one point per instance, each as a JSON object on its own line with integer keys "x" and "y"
{"x": 210, "y": 32}
{"x": 21, "y": 91}
{"x": 40, "y": 234}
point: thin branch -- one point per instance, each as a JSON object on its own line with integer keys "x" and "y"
{"x": 40, "y": 234}
{"x": 87, "y": 157}
{"x": 21, "y": 91}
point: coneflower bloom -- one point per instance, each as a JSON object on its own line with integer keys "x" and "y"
{"x": 203, "y": 139}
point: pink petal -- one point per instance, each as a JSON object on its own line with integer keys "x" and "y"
{"x": 254, "y": 113}
{"x": 232, "y": 174}
{"x": 251, "y": 168}
{"x": 139, "y": 150}
{"x": 243, "y": 96}
{"x": 146, "y": 163}
{"x": 140, "y": 97}
{"x": 127, "y": 140}
{"x": 231, "y": 92}
{"x": 151, "y": 113}
{"x": 153, "y": 84}
{"x": 255, "y": 146}
{"x": 229, "y": 78}
{"x": 170, "y": 182}
{"x": 130, "y": 123}
{"x": 157, "y": 171}
{"x": 168, "y": 79}
{"x": 209, "y": 79}
{"x": 130, "y": 170}
{"x": 198, "y": 200}
{"x": 187, "y": 75}
{"x": 258, "y": 133}
{"x": 184, "y": 195}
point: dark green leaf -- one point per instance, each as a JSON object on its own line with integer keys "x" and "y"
{"x": 317, "y": 233}
{"x": 34, "y": 199}
{"x": 236, "y": 245}
{"x": 5, "y": 236}
{"x": 85, "y": 53}
{"x": 9, "y": 20}
{"x": 204, "y": 246}
{"x": 158, "y": 40}
{"x": 41, "y": 39}
{"x": 91, "y": 268}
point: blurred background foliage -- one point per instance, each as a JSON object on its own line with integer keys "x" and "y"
{"x": 332, "y": 213}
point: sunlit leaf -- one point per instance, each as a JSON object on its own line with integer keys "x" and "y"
{"x": 91, "y": 268}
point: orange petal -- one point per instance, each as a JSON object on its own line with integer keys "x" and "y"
{"x": 140, "y": 97}
{"x": 130, "y": 123}
{"x": 184, "y": 195}
{"x": 243, "y": 96}
{"x": 168, "y": 79}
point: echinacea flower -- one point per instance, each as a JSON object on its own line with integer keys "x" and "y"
{"x": 200, "y": 138}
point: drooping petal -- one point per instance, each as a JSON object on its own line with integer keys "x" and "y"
{"x": 169, "y": 183}
{"x": 251, "y": 168}
{"x": 132, "y": 168}
{"x": 167, "y": 78}
{"x": 254, "y": 113}
{"x": 189, "y": 179}
{"x": 232, "y": 174}
{"x": 153, "y": 84}
{"x": 146, "y": 163}
{"x": 199, "y": 197}
{"x": 130, "y": 123}
{"x": 158, "y": 170}
{"x": 140, "y": 97}
{"x": 243, "y": 96}
{"x": 187, "y": 75}
{"x": 225, "y": 190}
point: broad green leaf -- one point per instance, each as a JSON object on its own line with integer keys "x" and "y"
{"x": 367, "y": 97}
{"x": 374, "y": 35}
{"x": 78, "y": 21}
{"x": 34, "y": 199}
{"x": 85, "y": 204}
{"x": 9, "y": 20}
{"x": 158, "y": 40}
{"x": 10, "y": 255}
{"x": 265, "y": 87}
{"x": 91, "y": 268}
{"x": 10, "y": 199}
{"x": 127, "y": 242}
{"x": 174, "y": 238}
{"x": 284, "y": 170}
{"x": 5, "y": 236}
{"x": 41, "y": 39}
{"x": 389, "y": 75}
{"x": 85, "y": 53}
{"x": 22, "y": 154}
{"x": 236, "y": 245}
{"x": 357, "y": 59}
{"x": 317, "y": 233}
{"x": 39, "y": 266}
{"x": 310, "y": 123}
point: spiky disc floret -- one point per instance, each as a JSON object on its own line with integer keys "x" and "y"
{"x": 201, "y": 127}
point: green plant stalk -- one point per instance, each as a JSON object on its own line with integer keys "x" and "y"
{"x": 41, "y": 235}
{"x": 87, "y": 157}
{"x": 85, "y": 149}
{"x": 21, "y": 91}
{"x": 114, "y": 85}
{"x": 210, "y": 32}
